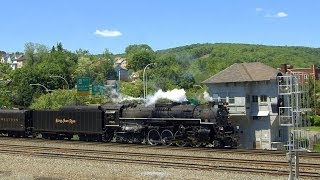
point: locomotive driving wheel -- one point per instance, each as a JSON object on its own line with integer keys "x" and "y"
{"x": 180, "y": 139}
{"x": 167, "y": 137}
{"x": 153, "y": 137}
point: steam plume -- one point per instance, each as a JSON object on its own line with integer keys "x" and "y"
{"x": 176, "y": 95}
{"x": 207, "y": 97}
{"x": 119, "y": 97}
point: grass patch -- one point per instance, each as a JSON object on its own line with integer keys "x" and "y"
{"x": 312, "y": 128}
{"x": 316, "y": 148}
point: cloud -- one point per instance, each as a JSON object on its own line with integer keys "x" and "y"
{"x": 281, "y": 14}
{"x": 276, "y": 15}
{"x": 267, "y": 14}
{"x": 108, "y": 33}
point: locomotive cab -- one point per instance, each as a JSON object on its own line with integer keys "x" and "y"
{"x": 111, "y": 117}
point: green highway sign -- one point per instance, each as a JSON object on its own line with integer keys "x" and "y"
{"x": 83, "y": 86}
{"x": 97, "y": 89}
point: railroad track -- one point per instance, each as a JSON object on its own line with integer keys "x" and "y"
{"x": 174, "y": 161}
{"x": 303, "y": 155}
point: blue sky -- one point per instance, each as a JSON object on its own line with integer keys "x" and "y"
{"x": 114, "y": 24}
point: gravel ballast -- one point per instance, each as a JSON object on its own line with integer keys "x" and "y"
{"x": 32, "y": 167}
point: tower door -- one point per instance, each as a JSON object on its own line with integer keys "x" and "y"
{"x": 262, "y": 139}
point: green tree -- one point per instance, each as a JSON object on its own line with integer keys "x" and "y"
{"x": 35, "y": 53}
{"x": 96, "y": 69}
{"x": 81, "y": 52}
{"x": 60, "y": 98}
{"x": 140, "y": 59}
{"x": 53, "y": 49}
{"x": 132, "y": 89}
{"x": 315, "y": 120}
{"x": 138, "y": 56}
{"x": 5, "y": 85}
{"x": 21, "y": 80}
{"x": 44, "y": 64}
{"x": 29, "y": 51}
{"x": 132, "y": 49}
{"x": 59, "y": 47}
{"x": 55, "y": 100}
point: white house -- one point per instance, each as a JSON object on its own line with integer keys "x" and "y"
{"x": 252, "y": 92}
{"x": 6, "y": 58}
{"x": 14, "y": 61}
{"x": 120, "y": 67}
{"x": 20, "y": 60}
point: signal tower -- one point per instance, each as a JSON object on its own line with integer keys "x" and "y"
{"x": 294, "y": 107}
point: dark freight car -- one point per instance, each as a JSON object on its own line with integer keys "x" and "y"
{"x": 85, "y": 121}
{"x": 15, "y": 122}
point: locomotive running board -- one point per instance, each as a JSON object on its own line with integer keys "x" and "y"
{"x": 167, "y": 119}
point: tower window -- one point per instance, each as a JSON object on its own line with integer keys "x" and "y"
{"x": 254, "y": 98}
{"x": 263, "y": 98}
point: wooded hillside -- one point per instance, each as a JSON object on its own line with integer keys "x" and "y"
{"x": 207, "y": 59}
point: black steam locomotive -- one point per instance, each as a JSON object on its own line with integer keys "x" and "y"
{"x": 181, "y": 124}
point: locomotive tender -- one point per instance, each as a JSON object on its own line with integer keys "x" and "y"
{"x": 167, "y": 123}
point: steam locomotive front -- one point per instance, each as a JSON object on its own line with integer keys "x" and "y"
{"x": 222, "y": 132}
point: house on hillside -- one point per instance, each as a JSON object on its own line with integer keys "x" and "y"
{"x": 20, "y": 60}
{"x": 251, "y": 89}
{"x": 134, "y": 76}
{"x": 15, "y": 61}
{"x": 6, "y": 58}
{"x": 120, "y": 67}
{"x": 10, "y": 60}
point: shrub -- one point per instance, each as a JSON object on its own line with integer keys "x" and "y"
{"x": 60, "y": 98}
{"x": 316, "y": 148}
{"x": 315, "y": 120}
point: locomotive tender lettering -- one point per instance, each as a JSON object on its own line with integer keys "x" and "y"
{"x": 65, "y": 121}
{"x": 9, "y": 119}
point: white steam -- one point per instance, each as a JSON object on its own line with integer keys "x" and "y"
{"x": 119, "y": 97}
{"x": 207, "y": 97}
{"x": 175, "y": 95}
